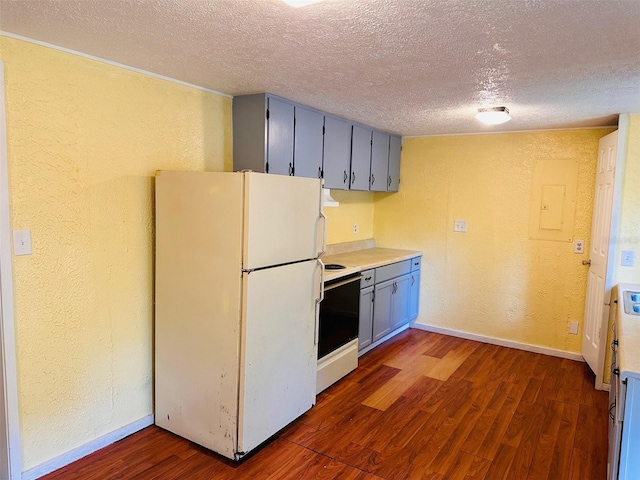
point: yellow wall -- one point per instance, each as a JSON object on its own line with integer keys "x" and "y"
{"x": 84, "y": 140}
{"x": 355, "y": 207}
{"x": 492, "y": 280}
{"x": 629, "y": 236}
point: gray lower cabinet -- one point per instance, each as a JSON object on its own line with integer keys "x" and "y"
{"x": 382, "y": 309}
{"x": 360, "y": 158}
{"x": 365, "y": 330}
{"x": 379, "y": 162}
{"x": 414, "y": 295}
{"x": 308, "y": 140}
{"x": 389, "y": 299}
{"x": 337, "y": 153}
{"x": 400, "y": 301}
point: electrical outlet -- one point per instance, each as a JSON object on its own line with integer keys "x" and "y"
{"x": 578, "y": 246}
{"x": 459, "y": 225}
{"x": 355, "y": 228}
{"x": 573, "y": 328}
{"x": 628, "y": 258}
{"x": 22, "y": 242}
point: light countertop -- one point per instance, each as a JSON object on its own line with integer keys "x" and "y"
{"x": 360, "y": 260}
{"x": 628, "y": 329}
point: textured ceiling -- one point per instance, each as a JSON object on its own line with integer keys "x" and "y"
{"x": 413, "y": 67}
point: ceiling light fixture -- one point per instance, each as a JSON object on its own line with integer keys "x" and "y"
{"x": 493, "y": 115}
{"x": 300, "y": 3}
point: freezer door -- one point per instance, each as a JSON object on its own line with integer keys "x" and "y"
{"x": 283, "y": 220}
{"x": 278, "y": 360}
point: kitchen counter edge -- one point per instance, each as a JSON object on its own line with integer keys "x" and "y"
{"x": 361, "y": 260}
{"x": 628, "y": 329}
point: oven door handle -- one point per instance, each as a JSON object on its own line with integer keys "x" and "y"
{"x": 343, "y": 282}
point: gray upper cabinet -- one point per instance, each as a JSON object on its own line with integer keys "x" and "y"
{"x": 263, "y": 134}
{"x": 395, "y": 147}
{"x": 307, "y": 154}
{"x": 360, "y": 158}
{"x": 273, "y": 135}
{"x": 279, "y": 137}
{"x": 379, "y": 162}
{"x": 337, "y": 153}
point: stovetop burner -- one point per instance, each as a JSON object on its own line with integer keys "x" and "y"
{"x": 334, "y": 266}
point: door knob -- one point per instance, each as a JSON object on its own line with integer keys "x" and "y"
{"x": 586, "y": 262}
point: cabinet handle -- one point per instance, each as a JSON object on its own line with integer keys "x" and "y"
{"x": 413, "y": 279}
{"x": 345, "y": 177}
{"x": 319, "y": 172}
{"x": 353, "y": 177}
{"x": 290, "y": 169}
{"x": 389, "y": 182}
{"x": 611, "y": 409}
{"x": 366, "y": 279}
{"x": 373, "y": 179}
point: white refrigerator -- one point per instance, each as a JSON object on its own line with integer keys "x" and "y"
{"x": 238, "y": 282}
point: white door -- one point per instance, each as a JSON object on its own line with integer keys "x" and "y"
{"x": 283, "y": 220}
{"x": 597, "y": 297}
{"x": 278, "y": 354}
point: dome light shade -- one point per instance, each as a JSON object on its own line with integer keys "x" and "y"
{"x": 493, "y": 115}
{"x": 300, "y": 3}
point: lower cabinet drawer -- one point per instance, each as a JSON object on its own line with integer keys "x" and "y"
{"x": 392, "y": 270}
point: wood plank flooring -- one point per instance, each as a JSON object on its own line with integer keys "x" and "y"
{"x": 421, "y": 406}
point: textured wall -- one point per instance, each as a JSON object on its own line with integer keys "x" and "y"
{"x": 84, "y": 140}
{"x": 492, "y": 280}
{"x": 355, "y": 207}
{"x": 629, "y": 237}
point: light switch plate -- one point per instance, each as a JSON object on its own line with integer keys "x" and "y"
{"x": 628, "y": 258}
{"x": 578, "y": 246}
{"x": 459, "y": 225}
{"x": 22, "y": 242}
{"x": 573, "y": 328}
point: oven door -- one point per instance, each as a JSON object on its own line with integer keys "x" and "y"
{"x": 339, "y": 314}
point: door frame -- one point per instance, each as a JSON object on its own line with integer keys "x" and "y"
{"x": 614, "y": 233}
{"x": 8, "y": 367}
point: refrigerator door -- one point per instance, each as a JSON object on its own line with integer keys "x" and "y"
{"x": 283, "y": 220}
{"x": 278, "y": 359}
{"x": 198, "y": 299}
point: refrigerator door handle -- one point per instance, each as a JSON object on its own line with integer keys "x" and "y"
{"x": 318, "y": 300}
{"x": 324, "y": 234}
{"x": 322, "y": 217}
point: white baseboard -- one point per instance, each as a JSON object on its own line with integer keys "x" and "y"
{"x": 86, "y": 449}
{"x": 499, "y": 341}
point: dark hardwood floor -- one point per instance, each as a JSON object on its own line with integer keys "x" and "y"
{"x": 421, "y": 406}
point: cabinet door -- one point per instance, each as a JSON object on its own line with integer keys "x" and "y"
{"x": 382, "y": 309}
{"x": 414, "y": 295}
{"x": 280, "y": 137}
{"x": 307, "y": 153}
{"x": 379, "y": 162}
{"x": 337, "y": 153}
{"x": 360, "y": 158}
{"x": 365, "y": 331}
{"x": 395, "y": 147}
{"x": 400, "y": 301}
